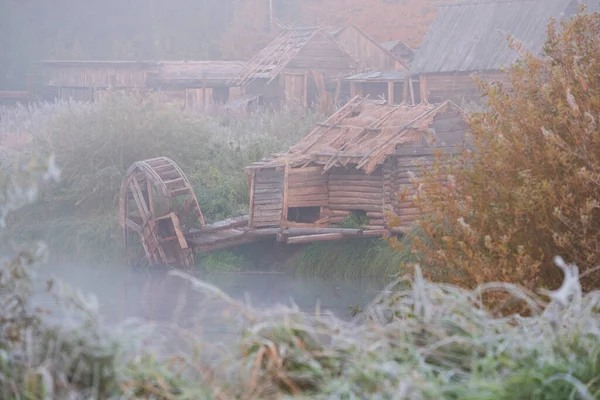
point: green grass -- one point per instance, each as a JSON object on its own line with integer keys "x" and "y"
{"x": 222, "y": 261}
{"x": 349, "y": 259}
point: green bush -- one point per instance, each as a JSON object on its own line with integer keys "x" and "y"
{"x": 95, "y": 143}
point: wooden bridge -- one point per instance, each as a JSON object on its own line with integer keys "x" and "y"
{"x": 162, "y": 222}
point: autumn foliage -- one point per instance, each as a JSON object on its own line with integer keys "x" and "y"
{"x": 529, "y": 187}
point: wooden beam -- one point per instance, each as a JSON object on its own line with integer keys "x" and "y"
{"x": 314, "y": 238}
{"x": 251, "y": 211}
{"x": 391, "y": 93}
{"x": 423, "y": 89}
{"x": 305, "y": 91}
{"x": 286, "y": 180}
{"x": 180, "y": 237}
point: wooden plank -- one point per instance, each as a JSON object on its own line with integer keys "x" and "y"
{"x": 307, "y": 203}
{"x": 306, "y": 171}
{"x": 267, "y": 207}
{"x": 295, "y": 231}
{"x": 139, "y": 198}
{"x": 135, "y": 227}
{"x": 310, "y": 190}
{"x": 314, "y": 238}
{"x": 286, "y": 180}
{"x": 356, "y": 195}
{"x": 352, "y": 207}
{"x": 180, "y": 237}
{"x": 251, "y": 202}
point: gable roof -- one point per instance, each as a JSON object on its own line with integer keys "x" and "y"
{"x": 392, "y": 44}
{"x": 472, "y": 36}
{"x": 363, "y": 133}
{"x": 271, "y": 60}
{"x": 337, "y": 32}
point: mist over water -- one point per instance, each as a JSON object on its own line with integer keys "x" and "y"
{"x": 125, "y": 293}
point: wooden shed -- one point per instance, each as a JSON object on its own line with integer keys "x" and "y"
{"x": 379, "y": 72}
{"x": 190, "y": 83}
{"x": 285, "y": 69}
{"x": 353, "y": 164}
{"x": 470, "y": 37}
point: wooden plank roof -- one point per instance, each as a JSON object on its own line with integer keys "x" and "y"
{"x": 363, "y": 133}
{"x": 471, "y": 36}
{"x": 271, "y": 60}
{"x": 195, "y": 72}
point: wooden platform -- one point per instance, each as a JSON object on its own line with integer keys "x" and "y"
{"x": 234, "y": 232}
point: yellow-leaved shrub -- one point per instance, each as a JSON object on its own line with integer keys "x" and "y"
{"x": 528, "y": 188}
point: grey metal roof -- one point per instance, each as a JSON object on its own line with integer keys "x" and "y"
{"x": 394, "y": 75}
{"x": 472, "y": 36}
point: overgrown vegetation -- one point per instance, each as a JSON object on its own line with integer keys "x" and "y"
{"x": 529, "y": 188}
{"x": 351, "y": 259}
{"x": 416, "y": 340}
{"x": 97, "y": 142}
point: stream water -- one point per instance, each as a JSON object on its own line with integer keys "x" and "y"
{"x": 156, "y": 296}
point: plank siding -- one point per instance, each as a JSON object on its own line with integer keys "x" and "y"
{"x": 267, "y": 198}
{"x": 456, "y": 86}
{"x": 365, "y": 51}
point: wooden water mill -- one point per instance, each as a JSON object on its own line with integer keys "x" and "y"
{"x": 158, "y": 208}
{"x": 163, "y": 225}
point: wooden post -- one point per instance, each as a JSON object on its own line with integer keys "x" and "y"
{"x": 412, "y": 92}
{"x": 305, "y": 90}
{"x": 405, "y": 88}
{"x": 251, "y": 211}
{"x": 391, "y": 93}
{"x": 423, "y": 87}
{"x": 286, "y": 174}
{"x": 204, "y": 99}
{"x": 353, "y": 89}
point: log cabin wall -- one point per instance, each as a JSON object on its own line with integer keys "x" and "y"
{"x": 437, "y": 88}
{"x": 266, "y": 198}
{"x": 306, "y": 194}
{"x": 352, "y": 190}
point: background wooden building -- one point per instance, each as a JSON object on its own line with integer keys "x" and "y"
{"x": 400, "y": 51}
{"x": 470, "y": 37}
{"x": 192, "y": 84}
{"x": 352, "y": 164}
{"x": 296, "y": 67}
{"x": 379, "y": 72}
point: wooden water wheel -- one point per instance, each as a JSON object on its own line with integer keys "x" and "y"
{"x": 157, "y": 209}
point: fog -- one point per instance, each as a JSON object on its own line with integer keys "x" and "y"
{"x": 125, "y": 293}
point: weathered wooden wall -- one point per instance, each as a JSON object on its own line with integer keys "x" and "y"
{"x": 95, "y": 76}
{"x": 353, "y": 190}
{"x": 266, "y": 198}
{"x": 323, "y": 54}
{"x": 307, "y": 187}
{"x": 364, "y": 50}
{"x": 437, "y": 88}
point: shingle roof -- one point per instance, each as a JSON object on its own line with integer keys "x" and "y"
{"x": 472, "y": 36}
{"x": 363, "y": 133}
